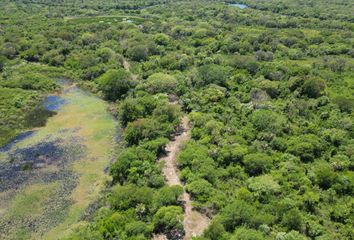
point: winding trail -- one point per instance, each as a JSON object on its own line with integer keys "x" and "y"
{"x": 194, "y": 222}
{"x": 126, "y": 66}
{"x": 170, "y": 170}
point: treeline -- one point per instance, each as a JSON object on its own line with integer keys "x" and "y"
{"x": 323, "y": 10}
{"x": 133, "y": 5}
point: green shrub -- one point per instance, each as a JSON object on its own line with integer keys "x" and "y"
{"x": 114, "y": 84}
{"x": 168, "y": 195}
{"x": 142, "y": 129}
{"x": 313, "y": 87}
{"x": 243, "y": 233}
{"x": 292, "y": 220}
{"x": 292, "y": 235}
{"x": 129, "y": 196}
{"x": 159, "y": 83}
{"x": 200, "y": 189}
{"x": 30, "y": 81}
{"x": 215, "y": 231}
{"x": 266, "y": 120}
{"x": 257, "y": 163}
{"x": 236, "y": 214}
{"x": 264, "y": 187}
{"x": 168, "y": 218}
{"x": 345, "y": 104}
{"x": 138, "y": 53}
{"x": 84, "y": 231}
{"x": 324, "y": 175}
{"x": 307, "y": 147}
{"x": 138, "y": 228}
{"x": 133, "y": 108}
{"x": 156, "y": 146}
{"x": 212, "y": 74}
{"x": 232, "y": 154}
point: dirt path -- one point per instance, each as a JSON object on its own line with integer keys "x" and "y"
{"x": 194, "y": 222}
{"x": 126, "y": 66}
{"x": 170, "y": 170}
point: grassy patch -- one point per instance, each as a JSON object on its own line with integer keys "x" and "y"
{"x": 30, "y": 202}
{"x": 96, "y": 127}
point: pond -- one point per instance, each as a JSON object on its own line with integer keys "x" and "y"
{"x": 50, "y": 174}
{"x": 53, "y": 102}
{"x": 238, "y": 5}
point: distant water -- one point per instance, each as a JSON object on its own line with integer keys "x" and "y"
{"x": 238, "y": 5}
{"x": 39, "y": 116}
{"x": 18, "y": 138}
{"x": 53, "y": 102}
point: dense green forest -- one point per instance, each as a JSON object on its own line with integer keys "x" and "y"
{"x": 268, "y": 89}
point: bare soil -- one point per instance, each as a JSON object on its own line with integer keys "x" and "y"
{"x": 194, "y": 222}
{"x": 126, "y": 66}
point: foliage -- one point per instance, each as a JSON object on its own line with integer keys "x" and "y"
{"x": 30, "y": 81}
{"x": 268, "y": 90}
{"x": 114, "y": 84}
{"x": 247, "y": 234}
{"x": 168, "y": 218}
{"x": 125, "y": 197}
{"x": 265, "y": 120}
{"x": 159, "y": 83}
{"x": 313, "y": 87}
{"x": 257, "y": 163}
{"x": 15, "y": 105}
{"x": 212, "y": 74}
{"x": 236, "y": 214}
{"x": 131, "y": 109}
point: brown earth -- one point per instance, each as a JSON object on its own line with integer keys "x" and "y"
{"x": 194, "y": 222}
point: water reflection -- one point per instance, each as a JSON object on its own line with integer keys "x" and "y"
{"x": 238, "y": 5}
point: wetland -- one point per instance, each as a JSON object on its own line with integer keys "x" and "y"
{"x": 43, "y": 188}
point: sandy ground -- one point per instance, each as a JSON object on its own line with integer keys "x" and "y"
{"x": 194, "y": 222}
{"x": 126, "y": 66}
